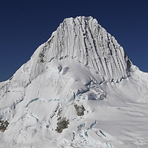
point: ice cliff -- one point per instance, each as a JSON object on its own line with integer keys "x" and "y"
{"x": 79, "y": 89}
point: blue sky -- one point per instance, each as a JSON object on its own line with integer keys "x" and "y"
{"x": 25, "y": 24}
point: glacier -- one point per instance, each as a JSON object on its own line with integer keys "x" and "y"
{"x": 78, "y": 90}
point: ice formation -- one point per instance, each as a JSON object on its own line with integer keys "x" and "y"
{"x": 78, "y": 90}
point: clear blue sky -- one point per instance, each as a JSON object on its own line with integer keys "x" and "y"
{"x": 25, "y": 24}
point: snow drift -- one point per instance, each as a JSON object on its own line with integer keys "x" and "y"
{"x": 79, "y": 89}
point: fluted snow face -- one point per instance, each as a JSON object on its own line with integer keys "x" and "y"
{"x": 84, "y": 39}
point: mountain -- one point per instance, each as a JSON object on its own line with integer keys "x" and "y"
{"x": 78, "y": 90}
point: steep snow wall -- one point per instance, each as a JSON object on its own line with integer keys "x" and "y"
{"x": 83, "y": 38}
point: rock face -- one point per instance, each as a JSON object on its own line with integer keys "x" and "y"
{"x": 76, "y": 91}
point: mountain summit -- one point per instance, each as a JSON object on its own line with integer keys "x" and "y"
{"x": 79, "y": 89}
{"x": 84, "y": 39}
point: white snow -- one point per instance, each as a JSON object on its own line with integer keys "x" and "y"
{"x": 82, "y": 80}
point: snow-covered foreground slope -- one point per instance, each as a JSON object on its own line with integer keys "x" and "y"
{"x": 78, "y": 90}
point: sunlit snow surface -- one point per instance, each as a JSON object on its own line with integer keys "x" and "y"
{"x": 80, "y": 75}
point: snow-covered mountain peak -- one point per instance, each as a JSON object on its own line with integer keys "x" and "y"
{"x": 82, "y": 38}
{"x": 79, "y": 89}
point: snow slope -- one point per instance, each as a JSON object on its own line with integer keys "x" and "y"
{"x": 80, "y": 90}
